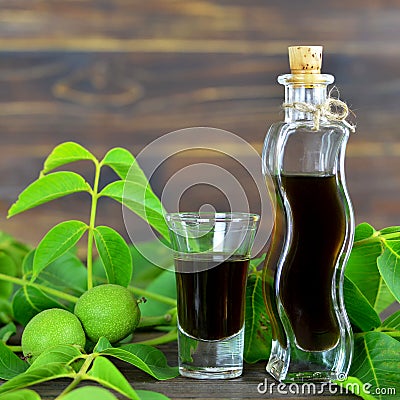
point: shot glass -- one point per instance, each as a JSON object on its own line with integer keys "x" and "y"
{"x": 211, "y": 255}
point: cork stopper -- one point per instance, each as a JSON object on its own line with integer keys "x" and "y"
{"x": 305, "y": 59}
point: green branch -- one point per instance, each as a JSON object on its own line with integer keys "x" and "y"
{"x": 393, "y": 235}
{"x": 394, "y": 333}
{"x": 147, "y": 322}
{"x": 89, "y": 260}
{"x": 46, "y": 289}
{"x": 377, "y": 237}
{"x": 153, "y": 296}
{"x": 168, "y": 337}
{"x": 15, "y": 349}
{"x": 372, "y": 239}
{"x": 79, "y": 376}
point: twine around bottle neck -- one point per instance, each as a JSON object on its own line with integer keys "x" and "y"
{"x": 332, "y": 109}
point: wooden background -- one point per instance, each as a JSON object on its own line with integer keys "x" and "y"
{"x": 125, "y": 72}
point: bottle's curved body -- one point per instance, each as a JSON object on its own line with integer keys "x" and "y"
{"x": 310, "y": 242}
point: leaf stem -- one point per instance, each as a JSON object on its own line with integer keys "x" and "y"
{"x": 89, "y": 261}
{"x": 394, "y": 334}
{"x": 389, "y": 331}
{"x": 79, "y": 376}
{"x": 46, "y": 289}
{"x": 15, "y": 349}
{"x": 393, "y": 235}
{"x": 153, "y": 296}
{"x": 377, "y": 237}
{"x": 168, "y": 337}
{"x": 372, "y": 239}
{"x": 359, "y": 334}
{"x": 147, "y": 322}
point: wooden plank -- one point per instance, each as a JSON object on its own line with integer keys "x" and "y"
{"x": 187, "y": 26}
{"x": 179, "y": 388}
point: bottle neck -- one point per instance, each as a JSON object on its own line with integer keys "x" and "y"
{"x": 310, "y": 90}
{"x": 312, "y": 96}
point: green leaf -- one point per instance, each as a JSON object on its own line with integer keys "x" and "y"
{"x": 144, "y": 271}
{"x": 354, "y": 385}
{"x": 107, "y": 374}
{"x": 10, "y": 245}
{"x": 5, "y": 311}
{"x": 393, "y": 321}
{"x": 389, "y": 230}
{"x": 164, "y": 284}
{"x": 376, "y": 362}
{"x": 59, "y": 354}
{"x": 102, "y": 344}
{"x": 125, "y": 165}
{"x": 141, "y": 200}
{"x": 56, "y": 242}
{"x": 66, "y": 153}
{"x": 256, "y": 262}
{"x": 38, "y": 375}
{"x": 385, "y": 298}
{"x": 67, "y": 273}
{"x": 363, "y": 231}
{"x": 389, "y": 266}
{"x": 10, "y": 364}
{"x": 7, "y": 267}
{"x": 23, "y": 394}
{"x": 27, "y": 264}
{"x": 257, "y": 336}
{"x": 7, "y": 331}
{"x": 363, "y": 271}
{"x": 359, "y": 310}
{"x": 89, "y": 393}
{"x": 115, "y": 255}
{"x": 47, "y": 188}
{"x": 14, "y": 249}
{"x": 147, "y": 358}
{"x": 99, "y": 274}
{"x": 29, "y": 301}
{"x": 187, "y": 348}
{"x": 149, "y": 395}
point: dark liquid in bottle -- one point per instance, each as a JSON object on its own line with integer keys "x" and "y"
{"x": 211, "y": 302}
{"x": 306, "y": 280}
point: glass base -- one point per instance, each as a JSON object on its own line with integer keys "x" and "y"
{"x": 296, "y": 365}
{"x": 311, "y": 376}
{"x": 276, "y": 366}
{"x": 210, "y": 359}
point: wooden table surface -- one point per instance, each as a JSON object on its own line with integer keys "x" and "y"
{"x": 244, "y": 387}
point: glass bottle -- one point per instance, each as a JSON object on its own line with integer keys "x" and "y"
{"x": 313, "y": 229}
